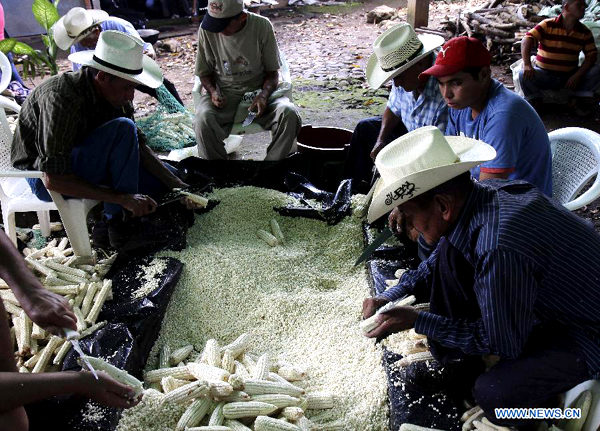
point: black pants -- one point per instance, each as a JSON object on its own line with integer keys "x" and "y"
{"x": 549, "y": 365}
{"x": 168, "y": 85}
{"x": 359, "y": 165}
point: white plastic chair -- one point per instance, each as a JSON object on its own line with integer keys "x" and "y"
{"x": 231, "y": 143}
{"x": 575, "y": 162}
{"x": 16, "y": 195}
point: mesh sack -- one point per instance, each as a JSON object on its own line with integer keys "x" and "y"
{"x": 171, "y": 127}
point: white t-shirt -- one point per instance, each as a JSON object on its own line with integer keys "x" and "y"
{"x": 239, "y": 62}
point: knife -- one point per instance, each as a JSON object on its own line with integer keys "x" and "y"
{"x": 249, "y": 119}
{"x": 177, "y": 194}
{"x": 381, "y": 238}
{"x": 73, "y": 337}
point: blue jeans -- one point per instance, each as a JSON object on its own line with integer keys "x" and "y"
{"x": 109, "y": 157}
{"x": 545, "y": 80}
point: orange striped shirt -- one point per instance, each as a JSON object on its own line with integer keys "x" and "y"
{"x": 559, "y": 50}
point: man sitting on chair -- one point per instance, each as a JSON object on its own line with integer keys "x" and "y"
{"x": 77, "y": 128}
{"x": 237, "y": 54}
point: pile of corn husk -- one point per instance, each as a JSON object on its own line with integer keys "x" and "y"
{"x": 82, "y": 284}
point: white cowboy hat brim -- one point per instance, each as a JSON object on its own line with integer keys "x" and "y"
{"x": 376, "y": 76}
{"x": 151, "y": 75}
{"x": 470, "y": 152}
{"x": 62, "y": 38}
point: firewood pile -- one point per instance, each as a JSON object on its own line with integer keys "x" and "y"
{"x": 500, "y": 24}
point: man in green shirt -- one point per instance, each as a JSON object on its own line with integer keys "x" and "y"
{"x": 238, "y": 54}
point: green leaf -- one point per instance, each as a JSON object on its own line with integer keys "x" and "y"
{"x": 7, "y": 45}
{"x": 45, "y": 13}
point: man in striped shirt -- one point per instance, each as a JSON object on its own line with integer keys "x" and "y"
{"x": 560, "y": 40}
{"x": 503, "y": 281}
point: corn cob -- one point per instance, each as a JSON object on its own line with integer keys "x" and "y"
{"x": 211, "y": 354}
{"x": 291, "y": 373}
{"x": 249, "y": 363}
{"x": 200, "y": 200}
{"x": 88, "y": 300}
{"x": 412, "y": 335}
{"x": 237, "y": 382}
{"x": 185, "y": 393}
{"x": 265, "y": 423}
{"x": 236, "y": 396}
{"x": 292, "y": 413}
{"x": 59, "y": 268}
{"x": 235, "y": 425}
{"x": 180, "y": 354}
{"x": 415, "y": 357}
{"x": 228, "y": 361}
{"x": 71, "y": 260}
{"x": 277, "y": 231}
{"x": 321, "y": 416}
{"x": 8, "y": 296}
{"x": 116, "y": 373}
{"x": 468, "y": 425}
{"x": 261, "y": 371}
{"x": 258, "y": 387}
{"x": 241, "y": 370}
{"x": 216, "y": 417}
{"x": 164, "y": 358}
{"x": 83, "y": 288}
{"x": 12, "y": 309}
{"x": 331, "y": 426}
{"x": 239, "y": 346}
{"x": 62, "y": 352}
{"x": 46, "y": 353}
{"x": 208, "y": 372}
{"x": 29, "y": 363}
{"x": 305, "y": 425}
{"x": 98, "y": 302}
{"x": 411, "y": 427}
{"x": 209, "y": 428}
{"x": 466, "y": 415}
{"x": 69, "y": 289}
{"x": 277, "y": 378}
{"x": 219, "y": 388}
{"x": 92, "y": 329}
{"x": 478, "y": 426}
{"x": 25, "y": 333}
{"x": 494, "y": 427}
{"x": 170, "y": 383}
{"x": 34, "y": 348}
{"x": 279, "y": 400}
{"x": 71, "y": 279}
{"x": 267, "y": 237}
{"x": 177, "y": 372}
{"x": 319, "y": 401}
{"x": 583, "y": 402}
{"x": 194, "y": 413}
{"x": 247, "y": 409}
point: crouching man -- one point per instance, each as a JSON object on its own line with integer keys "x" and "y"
{"x": 497, "y": 282}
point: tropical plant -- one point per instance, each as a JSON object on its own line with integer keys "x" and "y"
{"x": 34, "y": 61}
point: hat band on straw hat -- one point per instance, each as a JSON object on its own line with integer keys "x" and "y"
{"x": 117, "y": 68}
{"x": 402, "y": 55}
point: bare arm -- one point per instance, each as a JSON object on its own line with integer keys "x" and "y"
{"x": 152, "y": 163}
{"x": 210, "y": 85}
{"x": 526, "y": 45}
{"x": 589, "y": 61}
{"x": 259, "y": 104}
{"x": 489, "y": 175}
{"x": 388, "y": 124}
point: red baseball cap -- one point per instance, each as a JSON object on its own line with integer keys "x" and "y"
{"x": 458, "y": 54}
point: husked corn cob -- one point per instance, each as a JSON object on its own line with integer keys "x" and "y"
{"x": 415, "y": 357}
{"x": 583, "y": 402}
{"x": 70, "y": 278}
{"x": 258, "y": 387}
{"x": 265, "y": 423}
{"x": 239, "y": 346}
{"x": 216, "y": 417}
{"x": 279, "y": 400}
{"x": 412, "y": 427}
{"x": 170, "y": 383}
{"x": 468, "y": 425}
{"x": 209, "y": 428}
{"x": 291, "y": 373}
{"x": 211, "y": 354}
{"x": 219, "y": 388}
{"x": 194, "y": 413}
{"x": 59, "y": 268}
{"x": 247, "y": 409}
{"x": 207, "y": 372}
{"x": 180, "y": 354}
{"x": 81, "y": 295}
{"x": 46, "y": 353}
{"x": 8, "y": 296}
{"x": 99, "y": 302}
{"x": 235, "y": 425}
{"x": 277, "y": 378}
{"x": 177, "y": 372}
{"x": 62, "y": 352}
{"x": 200, "y": 200}
{"x": 25, "y": 333}
{"x": 277, "y": 231}
{"x": 228, "y": 361}
{"x": 185, "y": 393}
{"x": 305, "y": 425}
{"x": 320, "y": 400}
{"x": 236, "y": 396}
{"x": 412, "y": 335}
{"x": 29, "y": 363}
{"x": 466, "y": 415}
{"x": 267, "y": 237}
{"x": 249, "y": 363}
{"x": 241, "y": 370}
{"x": 164, "y": 357}
{"x": 12, "y": 309}
{"x": 479, "y": 425}
{"x": 92, "y": 329}
{"x": 116, "y": 373}
{"x": 88, "y": 300}
{"x": 237, "y": 382}
{"x": 292, "y": 413}
{"x": 261, "y": 371}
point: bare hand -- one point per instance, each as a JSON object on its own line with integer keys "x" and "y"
{"x": 379, "y": 145}
{"x": 370, "y": 305}
{"x": 397, "y": 224}
{"x": 528, "y": 71}
{"x": 573, "y": 82}
{"x": 107, "y": 391}
{"x": 259, "y": 104}
{"x": 218, "y": 99}
{"x": 49, "y": 310}
{"x": 396, "y": 320}
{"x": 138, "y": 204}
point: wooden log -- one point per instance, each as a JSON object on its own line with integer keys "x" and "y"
{"x": 488, "y": 29}
{"x": 495, "y": 3}
{"x": 465, "y": 24}
{"x": 418, "y": 13}
{"x": 431, "y": 31}
{"x": 480, "y": 18}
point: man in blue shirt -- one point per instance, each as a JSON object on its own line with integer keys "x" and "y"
{"x": 401, "y": 55}
{"x": 498, "y": 283}
{"x": 482, "y": 108}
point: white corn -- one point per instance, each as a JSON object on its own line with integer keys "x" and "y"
{"x": 25, "y": 333}
{"x": 62, "y": 352}
{"x": 235, "y": 425}
{"x": 83, "y": 288}
{"x": 292, "y": 413}
{"x": 239, "y": 346}
{"x": 99, "y": 302}
{"x": 258, "y": 387}
{"x": 277, "y": 231}
{"x": 216, "y": 417}
{"x": 194, "y": 413}
{"x": 466, "y": 415}
{"x": 12, "y": 309}
{"x": 267, "y": 237}
{"x": 219, "y": 388}
{"x": 116, "y": 373}
{"x": 291, "y": 373}
{"x": 468, "y": 425}
{"x": 319, "y": 400}
{"x": 261, "y": 371}
{"x": 177, "y": 372}
{"x": 211, "y": 354}
{"x": 265, "y": 423}
{"x": 236, "y": 396}
{"x": 71, "y": 289}
{"x": 228, "y": 361}
{"x": 164, "y": 360}
{"x": 247, "y": 409}
{"x": 241, "y": 370}
{"x": 411, "y": 427}
{"x": 92, "y": 329}
{"x": 46, "y": 353}
{"x": 88, "y": 300}
{"x": 187, "y": 392}
{"x": 237, "y": 382}
{"x": 59, "y": 268}
{"x": 279, "y": 400}
{"x": 200, "y": 200}
{"x": 207, "y": 372}
{"x": 170, "y": 383}
{"x": 33, "y": 360}
{"x": 209, "y": 428}
{"x": 415, "y": 357}
{"x": 180, "y": 354}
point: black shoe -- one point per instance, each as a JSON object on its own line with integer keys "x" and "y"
{"x": 119, "y": 231}
{"x": 100, "y": 234}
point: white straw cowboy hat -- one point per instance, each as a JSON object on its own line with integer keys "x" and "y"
{"x": 419, "y": 161}
{"x": 396, "y": 50}
{"x": 73, "y": 26}
{"x": 121, "y": 55}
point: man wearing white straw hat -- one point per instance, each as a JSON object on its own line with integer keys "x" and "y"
{"x": 497, "y": 283}
{"x": 401, "y": 55}
{"x": 79, "y": 30}
{"x": 77, "y": 128}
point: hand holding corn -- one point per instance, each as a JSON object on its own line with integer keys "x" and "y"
{"x": 395, "y": 320}
{"x": 107, "y": 390}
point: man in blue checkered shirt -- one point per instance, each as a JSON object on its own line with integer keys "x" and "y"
{"x": 401, "y": 55}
